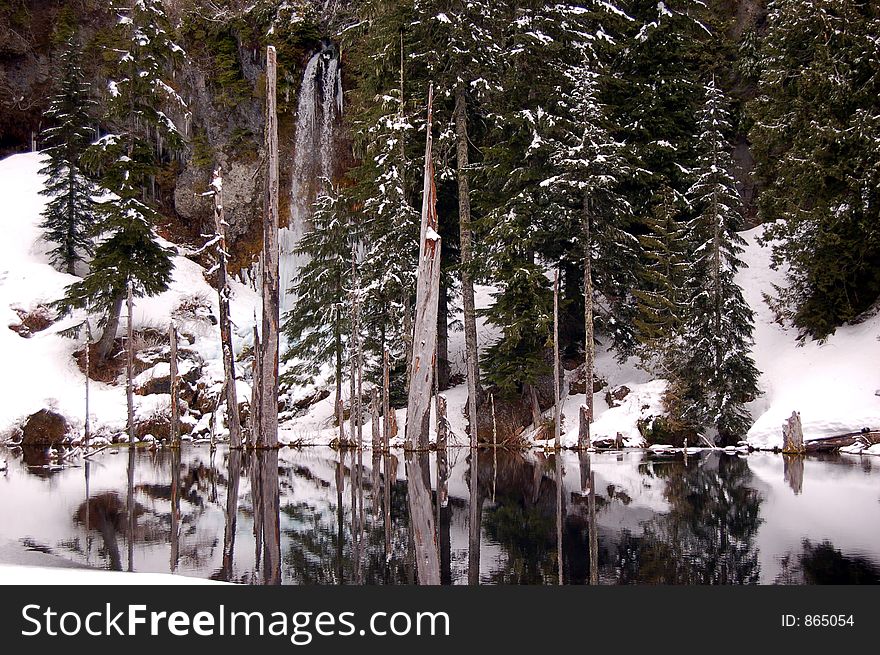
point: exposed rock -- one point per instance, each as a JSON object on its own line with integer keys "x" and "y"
{"x": 35, "y": 320}
{"x": 615, "y": 397}
{"x": 308, "y": 401}
{"x": 577, "y": 385}
{"x": 45, "y": 428}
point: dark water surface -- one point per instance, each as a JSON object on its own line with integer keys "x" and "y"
{"x": 623, "y": 518}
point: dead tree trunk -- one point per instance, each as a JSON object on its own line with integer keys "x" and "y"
{"x": 427, "y": 292}
{"x": 793, "y": 435}
{"x": 374, "y": 421}
{"x": 232, "y": 419}
{"x": 556, "y": 408}
{"x": 386, "y": 401}
{"x": 255, "y": 388}
{"x": 87, "y": 425}
{"x": 465, "y": 240}
{"x": 175, "y": 387}
{"x": 268, "y": 435}
{"x": 129, "y": 367}
{"x": 586, "y": 412}
{"x": 442, "y": 373}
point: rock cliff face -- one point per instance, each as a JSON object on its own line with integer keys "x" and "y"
{"x": 223, "y": 84}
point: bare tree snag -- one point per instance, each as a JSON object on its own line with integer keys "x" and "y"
{"x": 427, "y": 294}
{"x": 129, "y": 367}
{"x": 233, "y": 422}
{"x": 442, "y": 423}
{"x": 586, "y": 411}
{"x": 374, "y": 421}
{"x": 465, "y": 240}
{"x": 584, "y": 440}
{"x": 255, "y": 388}
{"x": 268, "y": 434}
{"x": 386, "y": 401}
{"x": 556, "y": 408}
{"x": 87, "y": 425}
{"x": 793, "y": 434}
{"x": 340, "y": 421}
{"x": 175, "y": 387}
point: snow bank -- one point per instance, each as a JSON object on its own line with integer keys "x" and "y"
{"x": 832, "y": 384}
{"x": 40, "y": 371}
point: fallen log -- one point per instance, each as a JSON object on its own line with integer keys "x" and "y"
{"x": 829, "y": 444}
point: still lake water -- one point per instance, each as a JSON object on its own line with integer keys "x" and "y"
{"x": 624, "y": 518}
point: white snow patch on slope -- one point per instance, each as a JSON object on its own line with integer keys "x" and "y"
{"x": 831, "y": 384}
{"x": 41, "y": 372}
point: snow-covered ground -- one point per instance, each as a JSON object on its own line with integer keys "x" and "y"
{"x": 832, "y": 384}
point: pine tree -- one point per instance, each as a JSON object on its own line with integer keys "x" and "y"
{"x": 817, "y": 143}
{"x": 130, "y": 253}
{"x": 383, "y": 132}
{"x": 586, "y": 206}
{"x": 516, "y": 160}
{"x": 550, "y": 157}
{"x": 661, "y": 295}
{"x": 70, "y": 216}
{"x": 717, "y": 373}
{"x": 318, "y": 327}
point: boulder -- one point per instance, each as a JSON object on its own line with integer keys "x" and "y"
{"x": 615, "y": 397}
{"x": 45, "y": 428}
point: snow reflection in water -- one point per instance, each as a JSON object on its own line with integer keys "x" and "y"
{"x": 714, "y": 519}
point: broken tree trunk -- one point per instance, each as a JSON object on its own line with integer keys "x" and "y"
{"x": 465, "y": 238}
{"x": 129, "y": 366}
{"x": 223, "y": 291}
{"x": 255, "y": 388}
{"x": 86, "y": 427}
{"x": 556, "y": 409}
{"x": 584, "y": 440}
{"x": 175, "y": 387}
{"x": 427, "y": 294}
{"x": 374, "y": 421}
{"x": 793, "y": 434}
{"x": 268, "y": 434}
{"x": 586, "y": 410}
{"x": 386, "y": 401}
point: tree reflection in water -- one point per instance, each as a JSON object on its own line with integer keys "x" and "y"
{"x": 708, "y": 535}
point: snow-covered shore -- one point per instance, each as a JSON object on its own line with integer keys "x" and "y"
{"x": 833, "y": 384}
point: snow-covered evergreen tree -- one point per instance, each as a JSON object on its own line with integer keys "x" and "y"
{"x": 70, "y": 215}
{"x": 383, "y": 133}
{"x": 130, "y": 253}
{"x": 591, "y": 214}
{"x": 816, "y": 138}
{"x": 318, "y": 327}
{"x": 660, "y": 296}
{"x": 717, "y": 374}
